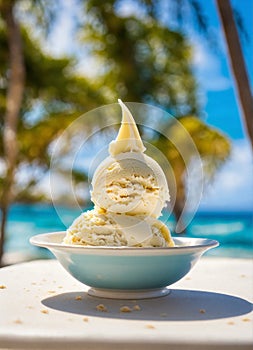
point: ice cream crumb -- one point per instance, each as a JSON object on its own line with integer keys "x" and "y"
{"x": 85, "y": 319}
{"x": 137, "y": 308}
{"x": 51, "y": 291}
{"x": 246, "y": 319}
{"x": 230, "y": 323}
{"x": 125, "y": 309}
{"x": 18, "y": 321}
{"x": 44, "y": 311}
{"x": 101, "y": 307}
{"x": 202, "y": 311}
{"x": 3, "y": 287}
{"x": 150, "y": 326}
{"x": 78, "y": 297}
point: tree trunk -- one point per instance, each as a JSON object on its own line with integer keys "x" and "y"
{"x": 14, "y": 97}
{"x": 237, "y": 63}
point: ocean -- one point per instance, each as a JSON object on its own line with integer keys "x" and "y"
{"x": 234, "y": 231}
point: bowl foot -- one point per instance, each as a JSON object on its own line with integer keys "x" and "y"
{"x": 128, "y": 294}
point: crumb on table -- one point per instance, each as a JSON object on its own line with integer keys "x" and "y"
{"x": 137, "y": 308}
{"x": 17, "y": 321}
{"x": 101, "y": 307}
{"x": 125, "y": 309}
{"x": 44, "y": 311}
{"x": 150, "y": 326}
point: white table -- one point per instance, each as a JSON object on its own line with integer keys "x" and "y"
{"x": 43, "y": 307}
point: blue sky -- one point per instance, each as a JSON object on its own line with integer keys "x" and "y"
{"x": 232, "y": 188}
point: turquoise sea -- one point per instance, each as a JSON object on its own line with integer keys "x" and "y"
{"x": 234, "y": 231}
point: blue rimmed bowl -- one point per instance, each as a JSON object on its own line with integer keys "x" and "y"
{"x": 126, "y": 272}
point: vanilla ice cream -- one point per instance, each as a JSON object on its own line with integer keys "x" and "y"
{"x": 98, "y": 228}
{"x": 129, "y": 190}
{"x": 129, "y": 181}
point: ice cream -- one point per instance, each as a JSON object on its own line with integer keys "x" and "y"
{"x": 98, "y": 228}
{"x": 128, "y": 181}
{"x": 129, "y": 190}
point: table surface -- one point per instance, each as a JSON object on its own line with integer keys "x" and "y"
{"x": 43, "y": 307}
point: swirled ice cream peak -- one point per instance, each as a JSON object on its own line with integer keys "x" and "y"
{"x": 128, "y": 139}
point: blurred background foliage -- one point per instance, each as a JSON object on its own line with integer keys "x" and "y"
{"x": 140, "y": 59}
{"x": 133, "y": 58}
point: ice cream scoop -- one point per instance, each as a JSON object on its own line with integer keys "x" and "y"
{"x": 98, "y": 228}
{"x": 129, "y": 181}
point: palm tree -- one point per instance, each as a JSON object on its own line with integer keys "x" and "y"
{"x": 237, "y": 63}
{"x": 32, "y": 76}
{"x": 14, "y": 98}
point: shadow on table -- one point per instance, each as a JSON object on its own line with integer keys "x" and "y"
{"x": 179, "y": 305}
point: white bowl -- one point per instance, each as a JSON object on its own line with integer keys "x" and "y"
{"x": 126, "y": 272}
